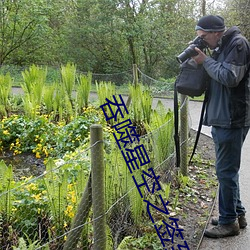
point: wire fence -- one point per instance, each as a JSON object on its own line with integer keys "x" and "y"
{"x": 161, "y": 87}
{"x": 55, "y": 210}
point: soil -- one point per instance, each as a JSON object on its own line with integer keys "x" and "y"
{"x": 25, "y": 164}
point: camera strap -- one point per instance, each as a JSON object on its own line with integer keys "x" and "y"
{"x": 199, "y": 127}
{"x": 176, "y": 127}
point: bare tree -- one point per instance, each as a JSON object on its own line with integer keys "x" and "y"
{"x": 20, "y": 22}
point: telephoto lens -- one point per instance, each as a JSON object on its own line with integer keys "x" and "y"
{"x": 190, "y": 50}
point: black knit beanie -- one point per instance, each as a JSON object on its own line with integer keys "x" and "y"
{"x": 211, "y": 23}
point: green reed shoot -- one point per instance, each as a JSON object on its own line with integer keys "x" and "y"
{"x": 48, "y": 98}
{"x": 5, "y": 89}
{"x": 33, "y": 86}
{"x": 68, "y": 74}
{"x": 83, "y": 90}
{"x": 56, "y": 184}
{"x": 161, "y": 127}
{"x": 6, "y": 184}
{"x": 141, "y": 103}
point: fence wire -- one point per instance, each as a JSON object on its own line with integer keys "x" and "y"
{"x": 42, "y": 212}
{"x": 158, "y": 87}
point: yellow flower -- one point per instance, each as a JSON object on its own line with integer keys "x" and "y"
{"x": 17, "y": 152}
{"x": 26, "y": 178}
{"x": 31, "y": 187}
{"x": 45, "y": 151}
{"x": 6, "y": 132}
{"x": 73, "y": 199}
{"x": 12, "y": 145}
{"x": 38, "y": 155}
{"x": 14, "y": 209}
{"x": 69, "y": 211}
{"x": 37, "y": 196}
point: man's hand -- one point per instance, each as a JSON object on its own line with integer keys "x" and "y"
{"x": 200, "y": 58}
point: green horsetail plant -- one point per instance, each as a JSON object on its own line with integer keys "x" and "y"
{"x": 83, "y": 91}
{"x": 6, "y": 184}
{"x": 141, "y": 106}
{"x": 56, "y": 184}
{"x": 135, "y": 92}
{"x": 58, "y": 102}
{"x": 68, "y": 109}
{"x": 161, "y": 130}
{"x": 146, "y": 101}
{"x": 33, "y": 85}
{"x": 68, "y": 74}
{"x": 137, "y": 205}
{"x": 62, "y": 106}
{"x": 113, "y": 177}
{"x": 48, "y": 98}
{"x": 5, "y": 90}
{"x": 141, "y": 103}
{"x": 29, "y": 107}
{"x": 119, "y": 184}
{"x": 105, "y": 90}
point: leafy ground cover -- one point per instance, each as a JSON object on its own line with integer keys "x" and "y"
{"x": 198, "y": 196}
{"x": 56, "y": 129}
{"x": 191, "y": 200}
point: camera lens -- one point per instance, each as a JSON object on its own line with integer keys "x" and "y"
{"x": 190, "y": 50}
{"x": 187, "y": 53}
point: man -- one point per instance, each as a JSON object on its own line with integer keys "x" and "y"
{"x": 228, "y": 112}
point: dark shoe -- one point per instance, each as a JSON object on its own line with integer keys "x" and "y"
{"x": 241, "y": 219}
{"x": 221, "y": 231}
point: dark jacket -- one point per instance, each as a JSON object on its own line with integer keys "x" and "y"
{"x": 229, "y": 90}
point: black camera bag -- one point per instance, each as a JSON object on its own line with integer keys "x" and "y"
{"x": 192, "y": 79}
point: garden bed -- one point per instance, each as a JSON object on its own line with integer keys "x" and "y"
{"x": 25, "y": 164}
{"x": 40, "y": 211}
{"x": 192, "y": 208}
{"x": 191, "y": 201}
{"x": 197, "y": 199}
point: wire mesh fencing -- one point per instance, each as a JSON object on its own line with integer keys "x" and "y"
{"x": 70, "y": 206}
{"x": 55, "y": 210}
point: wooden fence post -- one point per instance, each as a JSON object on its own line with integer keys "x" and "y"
{"x": 184, "y": 135}
{"x": 135, "y": 74}
{"x": 98, "y": 194}
{"x": 135, "y": 82}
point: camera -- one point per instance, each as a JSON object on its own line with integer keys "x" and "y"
{"x": 190, "y": 51}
